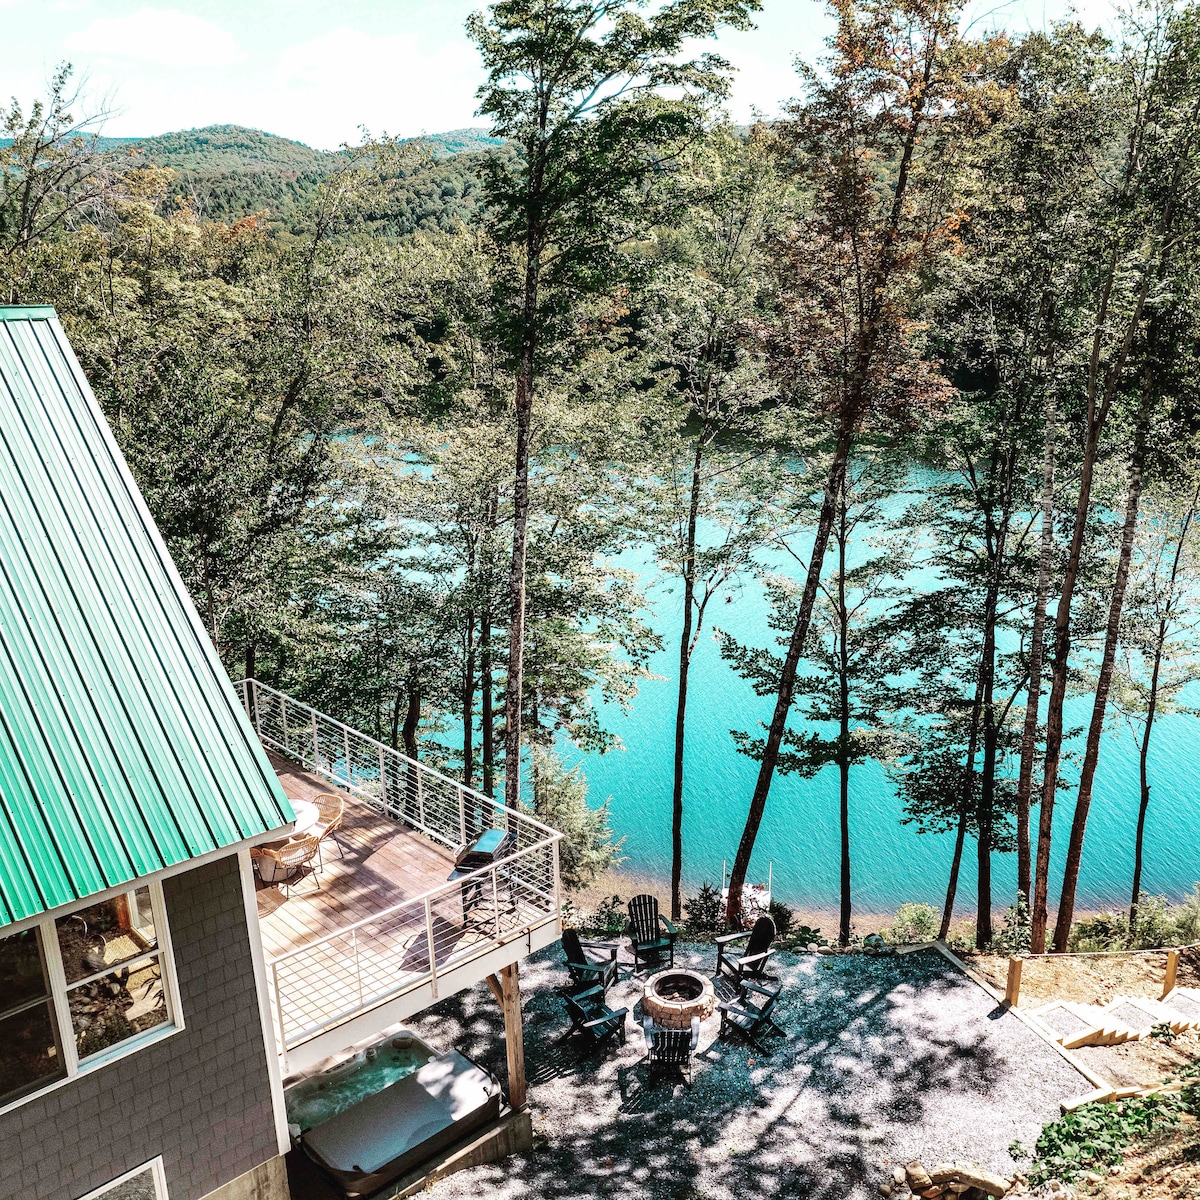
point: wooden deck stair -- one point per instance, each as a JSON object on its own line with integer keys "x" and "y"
{"x": 1123, "y": 1019}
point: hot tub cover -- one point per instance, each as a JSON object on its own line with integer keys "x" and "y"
{"x": 395, "y": 1130}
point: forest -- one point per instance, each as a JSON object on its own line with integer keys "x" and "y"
{"x": 399, "y": 410}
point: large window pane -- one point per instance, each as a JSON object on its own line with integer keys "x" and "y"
{"x": 22, "y": 976}
{"x": 105, "y": 934}
{"x": 29, "y": 1056}
{"x": 117, "y": 1007}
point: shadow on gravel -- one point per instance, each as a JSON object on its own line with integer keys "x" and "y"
{"x": 884, "y": 1059}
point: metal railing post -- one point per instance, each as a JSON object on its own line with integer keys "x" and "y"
{"x": 496, "y": 903}
{"x": 462, "y": 817}
{"x": 346, "y": 746}
{"x": 383, "y": 787}
{"x": 557, "y": 879}
{"x": 283, "y": 1039}
{"x": 316, "y": 742}
{"x": 287, "y": 741}
{"x": 421, "y": 797}
{"x": 357, "y": 965}
{"x": 432, "y": 949}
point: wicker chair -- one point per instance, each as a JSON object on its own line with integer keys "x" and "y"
{"x": 332, "y": 808}
{"x": 293, "y": 858}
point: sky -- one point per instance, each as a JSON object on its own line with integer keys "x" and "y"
{"x": 319, "y": 71}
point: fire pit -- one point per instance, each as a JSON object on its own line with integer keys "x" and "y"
{"x": 672, "y": 998}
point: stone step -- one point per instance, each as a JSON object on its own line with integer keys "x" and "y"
{"x": 1186, "y": 1002}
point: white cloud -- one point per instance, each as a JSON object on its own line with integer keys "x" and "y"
{"x": 345, "y": 78}
{"x": 163, "y": 36}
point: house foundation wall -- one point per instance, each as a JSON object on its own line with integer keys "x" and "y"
{"x": 267, "y": 1181}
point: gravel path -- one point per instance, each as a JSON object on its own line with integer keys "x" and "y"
{"x": 885, "y": 1059}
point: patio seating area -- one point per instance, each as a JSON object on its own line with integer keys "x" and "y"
{"x": 381, "y": 864}
{"x": 881, "y": 1060}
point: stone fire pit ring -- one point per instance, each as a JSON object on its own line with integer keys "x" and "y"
{"x": 673, "y": 997}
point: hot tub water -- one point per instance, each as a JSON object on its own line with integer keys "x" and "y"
{"x": 318, "y": 1099}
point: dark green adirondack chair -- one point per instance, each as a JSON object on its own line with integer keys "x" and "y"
{"x": 651, "y": 935}
{"x": 752, "y": 959}
{"x": 670, "y": 1049}
{"x": 592, "y": 1019}
{"x": 589, "y": 963}
{"x": 750, "y": 1016}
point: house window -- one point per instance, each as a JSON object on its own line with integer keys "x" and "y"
{"x": 144, "y": 1183}
{"x": 30, "y": 1055}
{"x": 75, "y": 989}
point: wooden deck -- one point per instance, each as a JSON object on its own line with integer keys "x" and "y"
{"x": 384, "y": 863}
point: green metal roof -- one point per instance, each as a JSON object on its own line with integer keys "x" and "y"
{"x": 123, "y": 748}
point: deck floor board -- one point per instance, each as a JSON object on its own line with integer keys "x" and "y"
{"x": 383, "y": 864}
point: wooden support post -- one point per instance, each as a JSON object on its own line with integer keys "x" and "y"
{"x": 1171, "y": 972}
{"x": 514, "y": 1035}
{"x": 1012, "y": 990}
{"x": 494, "y": 984}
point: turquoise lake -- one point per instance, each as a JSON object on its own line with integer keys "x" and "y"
{"x": 799, "y": 836}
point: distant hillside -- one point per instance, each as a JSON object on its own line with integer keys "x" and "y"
{"x": 228, "y": 171}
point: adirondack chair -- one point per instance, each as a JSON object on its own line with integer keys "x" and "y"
{"x": 752, "y": 959}
{"x": 650, "y": 933}
{"x": 750, "y": 1017}
{"x": 589, "y": 963}
{"x": 672, "y": 1048}
{"x": 591, "y": 1017}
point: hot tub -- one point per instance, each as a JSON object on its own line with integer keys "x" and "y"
{"x": 394, "y": 1131}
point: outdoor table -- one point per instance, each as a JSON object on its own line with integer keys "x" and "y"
{"x": 307, "y": 816}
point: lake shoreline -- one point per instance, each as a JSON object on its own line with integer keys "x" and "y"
{"x": 625, "y": 883}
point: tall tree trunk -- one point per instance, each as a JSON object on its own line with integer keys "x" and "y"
{"x": 1100, "y": 398}
{"x": 487, "y": 684}
{"x": 787, "y": 680}
{"x": 843, "y": 764}
{"x": 964, "y": 812}
{"x": 523, "y": 412}
{"x": 850, "y": 408}
{"x": 468, "y": 679}
{"x": 412, "y": 717}
{"x": 685, "y": 661}
{"x": 396, "y": 718}
{"x": 1152, "y": 709}
{"x": 1091, "y": 757}
{"x": 1037, "y": 639}
{"x": 468, "y": 704}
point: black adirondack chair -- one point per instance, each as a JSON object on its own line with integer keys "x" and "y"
{"x": 738, "y": 962}
{"x": 651, "y": 935}
{"x": 750, "y": 1016}
{"x": 670, "y": 1048}
{"x": 591, "y": 1017}
{"x": 589, "y": 963}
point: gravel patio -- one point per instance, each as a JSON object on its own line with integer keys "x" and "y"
{"x": 885, "y": 1060}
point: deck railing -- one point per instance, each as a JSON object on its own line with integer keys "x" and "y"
{"x": 407, "y": 945}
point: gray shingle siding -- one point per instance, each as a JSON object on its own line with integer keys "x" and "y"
{"x": 200, "y": 1098}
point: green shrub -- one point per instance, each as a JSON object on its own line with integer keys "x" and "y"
{"x": 1104, "y": 931}
{"x": 560, "y": 798}
{"x": 1092, "y": 1137}
{"x": 804, "y": 936}
{"x": 703, "y": 911}
{"x": 605, "y": 920}
{"x": 914, "y": 923}
{"x": 1157, "y": 923}
{"x": 1186, "y": 918}
{"x": 1015, "y": 936}
{"x": 782, "y": 916}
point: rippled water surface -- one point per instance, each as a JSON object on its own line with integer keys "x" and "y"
{"x": 891, "y": 863}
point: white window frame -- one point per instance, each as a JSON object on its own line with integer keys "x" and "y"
{"x": 157, "y": 1174}
{"x": 59, "y": 989}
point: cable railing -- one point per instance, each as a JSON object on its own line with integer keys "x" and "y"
{"x": 412, "y": 943}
